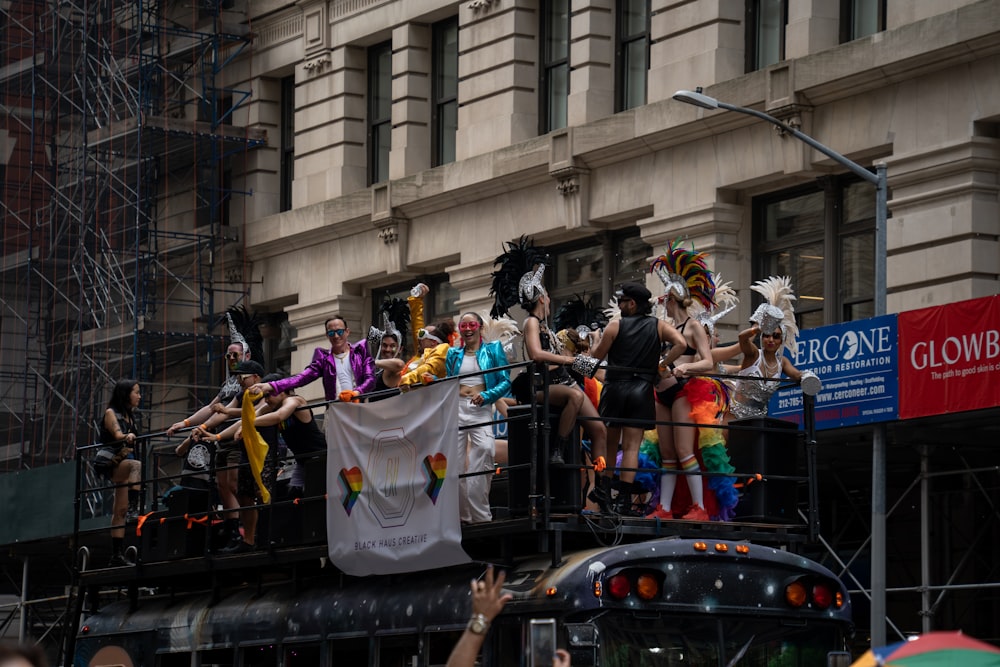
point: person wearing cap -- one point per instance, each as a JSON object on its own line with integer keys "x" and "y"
{"x": 345, "y": 367}
{"x": 237, "y": 488}
{"x": 632, "y": 346}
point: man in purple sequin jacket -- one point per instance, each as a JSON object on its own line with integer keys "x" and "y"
{"x": 344, "y": 367}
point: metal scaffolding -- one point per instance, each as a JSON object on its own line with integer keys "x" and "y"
{"x": 116, "y": 146}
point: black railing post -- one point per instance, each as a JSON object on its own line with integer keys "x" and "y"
{"x": 809, "y": 422}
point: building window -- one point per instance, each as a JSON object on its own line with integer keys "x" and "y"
{"x": 823, "y": 238}
{"x": 765, "y": 36}
{"x": 860, "y": 18}
{"x": 592, "y": 269}
{"x": 279, "y": 336}
{"x": 379, "y": 111}
{"x": 287, "y": 168}
{"x": 554, "y": 65}
{"x": 633, "y": 53}
{"x": 445, "y": 91}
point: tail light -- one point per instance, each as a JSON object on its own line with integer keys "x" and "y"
{"x": 795, "y": 594}
{"x": 647, "y": 587}
{"x": 619, "y": 586}
{"x": 822, "y": 596}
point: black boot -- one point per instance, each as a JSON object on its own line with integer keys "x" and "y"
{"x": 231, "y": 533}
{"x": 134, "y": 498}
{"x": 601, "y": 493}
{"x": 556, "y": 455}
{"x": 118, "y": 557}
{"x": 623, "y": 501}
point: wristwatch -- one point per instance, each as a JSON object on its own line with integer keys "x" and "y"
{"x": 478, "y": 624}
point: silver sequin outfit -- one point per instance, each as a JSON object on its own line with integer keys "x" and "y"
{"x": 752, "y": 396}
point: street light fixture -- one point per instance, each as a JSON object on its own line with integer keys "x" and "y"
{"x": 879, "y": 180}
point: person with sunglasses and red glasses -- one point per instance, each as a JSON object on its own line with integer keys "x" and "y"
{"x": 477, "y": 393}
{"x": 774, "y": 321}
{"x": 347, "y": 369}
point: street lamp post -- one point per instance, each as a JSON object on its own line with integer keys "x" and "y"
{"x": 879, "y": 180}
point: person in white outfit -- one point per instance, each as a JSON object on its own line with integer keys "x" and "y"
{"x": 478, "y": 390}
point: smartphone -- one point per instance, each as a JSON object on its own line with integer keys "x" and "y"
{"x": 541, "y": 642}
{"x": 838, "y": 659}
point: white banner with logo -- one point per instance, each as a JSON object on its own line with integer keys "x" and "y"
{"x": 392, "y": 481}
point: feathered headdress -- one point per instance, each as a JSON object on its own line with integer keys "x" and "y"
{"x": 395, "y": 317}
{"x": 244, "y": 328}
{"x": 503, "y": 329}
{"x": 613, "y": 311}
{"x": 726, "y": 300}
{"x": 778, "y": 311}
{"x": 685, "y": 274}
{"x": 580, "y": 313}
{"x": 519, "y": 278}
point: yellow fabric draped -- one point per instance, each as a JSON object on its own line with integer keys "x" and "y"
{"x": 255, "y": 445}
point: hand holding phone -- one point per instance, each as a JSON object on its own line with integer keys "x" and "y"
{"x": 541, "y": 642}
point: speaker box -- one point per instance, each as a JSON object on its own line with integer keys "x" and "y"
{"x": 564, "y": 483}
{"x": 186, "y": 500}
{"x": 166, "y": 537}
{"x": 769, "y": 452}
{"x": 303, "y": 521}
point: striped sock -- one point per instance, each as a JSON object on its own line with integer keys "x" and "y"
{"x": 690, "y": 465}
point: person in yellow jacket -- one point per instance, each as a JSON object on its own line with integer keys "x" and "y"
{"x": 431, "y": 341}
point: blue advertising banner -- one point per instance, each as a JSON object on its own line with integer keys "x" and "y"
{"x": 857, "y": 362}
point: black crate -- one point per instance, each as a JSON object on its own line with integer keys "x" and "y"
{"x": 564, "y": 483}
{"x": 186, "y": 501}
{"x": 166, "y": 537}
{"x": 291, "y": 523}
{"x": 768, "y": 452}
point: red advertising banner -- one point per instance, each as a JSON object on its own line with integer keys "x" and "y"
{"x": 949, "y": 357}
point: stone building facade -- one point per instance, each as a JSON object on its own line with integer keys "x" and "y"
{"x": 919, "y": 94}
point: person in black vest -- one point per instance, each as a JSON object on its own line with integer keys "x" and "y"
{"x": 632, "y": 345}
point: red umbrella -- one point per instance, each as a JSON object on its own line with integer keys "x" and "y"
{"x": 942, "y": 649}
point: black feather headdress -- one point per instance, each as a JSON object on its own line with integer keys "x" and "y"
{"x": 394, "y": 318}
{"x": 519, "y": 278}
{"x": 580, "y": 311}
{"x": 244, "y": 328}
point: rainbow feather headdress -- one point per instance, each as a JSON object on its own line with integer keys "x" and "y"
{"x": 685, "y": 274}
{"x": 778, "y": 310}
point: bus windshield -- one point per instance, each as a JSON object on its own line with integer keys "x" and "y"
{"x": 633, "y": 641}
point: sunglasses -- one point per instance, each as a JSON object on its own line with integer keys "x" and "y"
{"x": 232, "y": 355}
{"x": 773, "y": 336}
{"x": 335, "y": 332}
{"x": 424, "y": 334}
{"x": 468, "y": 326}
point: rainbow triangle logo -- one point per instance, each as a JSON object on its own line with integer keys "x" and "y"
{"x": 351, "y": 482}
{"x": 435, "y": 467}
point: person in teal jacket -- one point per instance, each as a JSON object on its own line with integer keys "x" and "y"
{"x": 478, "y": 391}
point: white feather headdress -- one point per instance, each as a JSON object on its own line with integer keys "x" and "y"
{"x": 778, "y": 309}
{"x": 726, "y": 301}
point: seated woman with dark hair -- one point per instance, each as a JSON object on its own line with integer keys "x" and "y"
{"x": 542, "y": 345}
{"x": 119, "y": 429}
